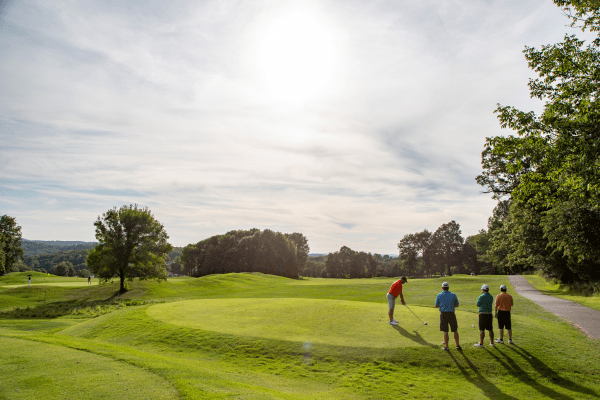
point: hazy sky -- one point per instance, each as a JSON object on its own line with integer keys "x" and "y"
{"x": 353, "y": 122}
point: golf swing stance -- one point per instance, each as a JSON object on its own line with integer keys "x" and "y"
{"x": 395, "y": 291}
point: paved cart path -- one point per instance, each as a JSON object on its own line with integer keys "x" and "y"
{"x": 584, "y": 318}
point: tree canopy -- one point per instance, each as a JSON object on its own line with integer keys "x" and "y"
{"x": 10, "y": 243}
{"x": 251, "y": 250}
{"x": 441, "y": 252}
{"x": 131, "y": 243}
{"x": 547, "y": 176}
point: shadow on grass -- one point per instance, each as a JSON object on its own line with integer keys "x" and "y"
{"x": 77, "y": 309}
{"x": 543, "y": 369}
{"x": 416, "y": 337}
{"x": 473, "y": 376}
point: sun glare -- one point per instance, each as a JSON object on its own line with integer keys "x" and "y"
{"x": 297, "y": 57}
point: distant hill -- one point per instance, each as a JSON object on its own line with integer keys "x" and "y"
{"x": 39, "y": 247}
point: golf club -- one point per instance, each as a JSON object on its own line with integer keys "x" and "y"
{"x": 424, "y": 323}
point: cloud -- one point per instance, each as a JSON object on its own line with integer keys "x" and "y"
{"x": 106, "y": 104}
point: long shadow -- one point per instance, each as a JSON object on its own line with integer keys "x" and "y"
{"x": 519, "y": 373}
{"x": 55, "y": 309}
{"x": 490, "y": 390}
{"x": 547, "y": 372}
{"x": 416, "y": 337}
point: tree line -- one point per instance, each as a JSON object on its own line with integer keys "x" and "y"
{"x": 443, "y": 252}
{"x": 251, "y": 250}
{"x": 38, "y": 247}
{"x": 361, "y": 262}
{"x": 546, "y": 176}
{"x": 45, "y": 262}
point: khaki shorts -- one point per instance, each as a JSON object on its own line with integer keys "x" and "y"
{"x": 391, "y": 301}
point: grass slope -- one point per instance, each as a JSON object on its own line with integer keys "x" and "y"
{"x": 34, "y": 370}
{"x": 244, "y": 349}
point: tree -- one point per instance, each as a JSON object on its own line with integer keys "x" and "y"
{"x": 83, "y": 273}
{"x": 65, "y": 268}
{"x": 10, "y": 243}
{"x": 131, "y": 243}
{"x": 333, "y": 265}
{"x": 372, "y": 265}
{"x": 479, "y": 262}
{"x": 408, "y": 248}
{"x": 302, "y": 247}
{"x": 550, "y": 171}
{"x": 448, "y": 244}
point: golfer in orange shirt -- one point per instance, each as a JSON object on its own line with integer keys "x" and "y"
{"x": 395, "y": 291}
{"x": 504, "y": 302}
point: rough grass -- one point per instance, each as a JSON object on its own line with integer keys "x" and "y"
{"x": 551, "y": 359}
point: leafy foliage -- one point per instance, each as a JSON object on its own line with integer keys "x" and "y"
{"x": 40, "y": 247}
{"x": 49, "y": 261}
{"x": 247, "y": 251}
{"x": 131, "y": 244}
{"x": 549, "y": 174}
{"x": 442, "y": 252}
{"x": 10, "y": 243}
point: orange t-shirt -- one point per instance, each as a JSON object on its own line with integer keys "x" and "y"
{"x": 396, "y": 288}
{"x": 504, "y": 301}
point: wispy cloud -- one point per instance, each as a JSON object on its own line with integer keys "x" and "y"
{"x": 368, "y": 128}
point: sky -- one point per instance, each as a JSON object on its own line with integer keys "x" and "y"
{"x": 352, "y": 122}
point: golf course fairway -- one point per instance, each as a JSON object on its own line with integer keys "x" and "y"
{"x": 310, "y": 321}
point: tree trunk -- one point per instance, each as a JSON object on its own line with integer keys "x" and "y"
{"x": 122, "y": 278}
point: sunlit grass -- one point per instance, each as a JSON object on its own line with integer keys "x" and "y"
{"x": 246, "y": 347}
{"x": 35, "y": 370}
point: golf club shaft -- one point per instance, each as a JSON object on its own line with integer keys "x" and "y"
{"x": 414, "y": 314}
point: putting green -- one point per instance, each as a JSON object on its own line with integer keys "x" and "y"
{"x": 336, "y": 322}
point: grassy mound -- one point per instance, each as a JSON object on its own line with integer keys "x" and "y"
{"x": 334, "y": 322}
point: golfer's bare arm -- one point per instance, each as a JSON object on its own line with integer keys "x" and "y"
{"x": 401, "y": 298}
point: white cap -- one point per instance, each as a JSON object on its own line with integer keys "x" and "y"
{"x": 502, "y": 287}
{"x": 445, "y": 284}
{"x": 485, "y": 287}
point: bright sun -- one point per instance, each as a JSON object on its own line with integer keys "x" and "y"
{"x": 297, "y": 56}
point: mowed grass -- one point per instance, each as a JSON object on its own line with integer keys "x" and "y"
{"x": 554, "y": 289}
{"x": 34, "y": 370}
{"x": 309, "y": 321}
{"x": 265, "y": 337}
{"x": 19, "y": 279}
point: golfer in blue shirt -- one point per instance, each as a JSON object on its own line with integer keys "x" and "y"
{"x": 447, "y": 301}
